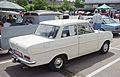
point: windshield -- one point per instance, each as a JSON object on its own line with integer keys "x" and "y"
{"x": 109, "y": 20}
{"x": 47, "y": 31}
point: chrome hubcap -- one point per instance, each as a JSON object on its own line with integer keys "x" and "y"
{"x": 58, "y": 63}
{"x": 105, "y": 47}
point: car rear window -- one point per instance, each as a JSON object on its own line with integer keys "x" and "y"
{"x": 31, "y": 14}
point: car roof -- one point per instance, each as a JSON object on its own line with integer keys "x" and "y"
{"x": 43, "y": 12}
{"x": 91, "y": 17}
{"x": 64, "y": 22}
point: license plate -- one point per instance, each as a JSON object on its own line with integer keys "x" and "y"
{"x": 17, "y": 53}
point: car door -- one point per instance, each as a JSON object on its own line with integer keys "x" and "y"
{"x": 88, "y": 39}
{"x": 69, "y": 41}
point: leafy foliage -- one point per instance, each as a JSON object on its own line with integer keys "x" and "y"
{"x": 65, "y": 5}
{"x": 40, "y": 4}
{"x": 29, "y": 7}
{"x": 22, "y": 2}
{"x": 78, "y": 5}
{"x": 43, "y": 5}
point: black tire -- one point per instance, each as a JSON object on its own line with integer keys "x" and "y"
{"x": 54, "y": 66}
{"x": 105, "y": 47}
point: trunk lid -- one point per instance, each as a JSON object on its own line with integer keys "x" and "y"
{"x": 21, "y": 43}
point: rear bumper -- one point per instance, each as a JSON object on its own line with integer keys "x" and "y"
{"x": 21, "y": 60}
{"x": 116, "y": 32}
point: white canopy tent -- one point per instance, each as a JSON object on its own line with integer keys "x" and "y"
{"x": 6, "y": 5}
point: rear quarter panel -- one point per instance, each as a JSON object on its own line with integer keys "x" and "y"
{"x": 44, "y": 53}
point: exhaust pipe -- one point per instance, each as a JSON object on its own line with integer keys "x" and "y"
{"x": 15, "y": 60}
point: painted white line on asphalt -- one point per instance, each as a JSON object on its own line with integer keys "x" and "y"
{"x": 102, "y": 68}
{"x": 114, "y": 48}
{"x": 6, "y": 61}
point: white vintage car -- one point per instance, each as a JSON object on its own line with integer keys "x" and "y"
{"x": 57, "y": 41}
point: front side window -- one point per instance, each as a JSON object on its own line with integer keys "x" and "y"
{"x": 47, "y": 31}
{"x": 69, "y": 31}
{"x": 84, "y": 29}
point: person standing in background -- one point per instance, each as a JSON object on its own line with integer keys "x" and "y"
{"x": 1, "y": 25}
{"x": 80, "y": 15}
{"x": 7, "y": 23}
{"x": 4, "y": 19}
{"x": 97, "y": 20}
{"x": 11, "y": 19}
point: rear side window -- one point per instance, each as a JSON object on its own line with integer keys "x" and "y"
{"x": 69, "y": 31}
{"x": 30, "y": 14}
{"x": 84, "y": 29}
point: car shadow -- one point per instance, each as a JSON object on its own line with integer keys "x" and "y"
{"x": 5, "y": 57}
{"x": 72, "y": 67}
{"x": 81, "y": 63}
{"x": 21, "y": 70}
{"x": 116, "y": 35}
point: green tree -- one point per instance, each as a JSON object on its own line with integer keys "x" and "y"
{"x": 40, "y": 4}
{"x": 52, "y": 6}
{"x": 22, "y": 2}
{"x": 78, "y": 5}
{"x": 29, "y": 7}
{"x": 66, "y": 5}
{"x": 25, "y": 2}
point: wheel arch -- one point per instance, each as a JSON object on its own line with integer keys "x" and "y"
{"x": 103, "y": 43}
{"x": 62, "y": 54}
{"x": 107, "y": 41}
{"x": 102, "y": 50}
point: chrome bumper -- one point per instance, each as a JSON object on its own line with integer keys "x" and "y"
{"x": 21, "y": 60}
{"x": 115, "y": 31}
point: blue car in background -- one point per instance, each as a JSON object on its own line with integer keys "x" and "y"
{"x": 110, "y": 24}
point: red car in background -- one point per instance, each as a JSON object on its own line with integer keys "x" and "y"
{"x": 116, "y": 14}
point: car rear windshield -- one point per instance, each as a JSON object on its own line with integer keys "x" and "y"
{"x": 47, "y": 31}
{"x": 31, "y": 14}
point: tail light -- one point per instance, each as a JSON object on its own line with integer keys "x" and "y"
{"x": 27, "y": 58}
{"x": 116, "y": 28}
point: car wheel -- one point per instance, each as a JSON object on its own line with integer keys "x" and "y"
{"x": 104, "y": 49}
{"x": 57, "y": 63}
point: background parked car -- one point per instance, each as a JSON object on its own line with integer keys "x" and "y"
{"x": 116, "y": 14}
{"x": 108, "y": 24}
{"x": 35, "y": 17}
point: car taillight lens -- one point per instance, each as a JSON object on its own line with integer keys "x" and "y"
{"x": 26, "y": 57}
{"x": 116, "y": 28}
